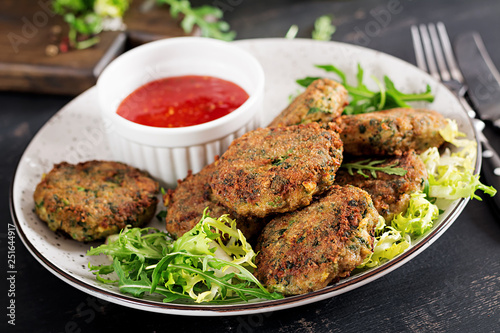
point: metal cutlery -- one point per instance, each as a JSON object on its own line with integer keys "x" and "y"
{"x": 434, "y": 54}
{"x": 481, "y": 76}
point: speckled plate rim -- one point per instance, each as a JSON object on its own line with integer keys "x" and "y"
{"x": 260, "y": 47}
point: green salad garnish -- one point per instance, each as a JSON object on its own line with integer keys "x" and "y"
{"x": 211, "y": 263}
{"x": 363, "y": 100}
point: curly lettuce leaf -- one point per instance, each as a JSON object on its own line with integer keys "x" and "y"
{"x": 451, "y": 174}
{"x": 388, "y": 244}
{"x": 392, "y": 240}
{"x": 418, "y": 217}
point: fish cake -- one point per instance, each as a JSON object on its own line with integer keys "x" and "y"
{"x": 391, "y": 132}
{"x": 390, "y": 193}
{"x": 276, "y": 170}
{"x": 322, "y": 101}
{"x": 185, "y": 206}
{"x": 92, "y": 200}
{"x": 306, "y": 250}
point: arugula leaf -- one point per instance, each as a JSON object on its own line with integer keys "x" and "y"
{"x": 371, "y": 166}
{"x": 141, "y": 285}
{"x": 363, "y": 100}
{"x": 398, "y": 99}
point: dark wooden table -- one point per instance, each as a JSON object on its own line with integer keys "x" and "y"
{"x": 453, "y": 286}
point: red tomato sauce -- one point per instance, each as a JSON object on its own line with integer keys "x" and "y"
{"x": 182, "y": 101}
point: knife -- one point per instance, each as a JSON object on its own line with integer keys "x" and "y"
{"x": 481, "y": 76}
{"x": 483, "y": 82}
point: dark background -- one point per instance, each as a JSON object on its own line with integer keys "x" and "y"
{"x": 453, "y": 286}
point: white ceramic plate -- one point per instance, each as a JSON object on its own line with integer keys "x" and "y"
{"x": 76, "y": 134}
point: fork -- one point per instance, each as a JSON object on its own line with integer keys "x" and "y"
{"x": 434, "y": 54}
{"x": 431, "y": 53}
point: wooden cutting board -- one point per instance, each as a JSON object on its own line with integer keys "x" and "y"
{"x": 26, "y": 30}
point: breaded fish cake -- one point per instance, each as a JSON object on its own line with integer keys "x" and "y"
{"x": 305, "y": 250}
{"x": 276, "y": 170}
{"x": 185, "y": 206}
{"x": 390, "y": 193}
{"x": 391, "y": 132}
{"x": 322, "y": 101}
{"x": 94, "y": 199}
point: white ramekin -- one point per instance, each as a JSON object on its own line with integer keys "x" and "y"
{"x": 168, "y": 153}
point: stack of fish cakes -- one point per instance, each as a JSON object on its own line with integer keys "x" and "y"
{"x": 312, "y": 222}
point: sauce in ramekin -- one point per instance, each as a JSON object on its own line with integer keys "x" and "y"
{"x": 182, "y": 101}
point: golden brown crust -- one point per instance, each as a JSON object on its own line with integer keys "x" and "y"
{"x": 305, "y": 250}
{"x": 185, "y": 206}
{"x": 276, "y": 170}
{"x": 94, "y": 199}
{"x": 322, "y": 101}
{"x": 391, "y": 132}
{"x": 390, "y": 193}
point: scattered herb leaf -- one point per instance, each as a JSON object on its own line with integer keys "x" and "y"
{"x": 372, "y": 168}
{"x": 206, "y": 17}
{"x": 292, "y": 32}
{"x": 323, "y": 28}
{"x": 87, "y": 18}
{"x": 161, "y": 215}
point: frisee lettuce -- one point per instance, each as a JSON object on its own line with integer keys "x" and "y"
{"x": 418, "y": 217}
{"x": 210, "y": 263}
{"x": 451, "y": 174}
{"x": 389, "y": 242}
{"x": 392, "y": 240}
